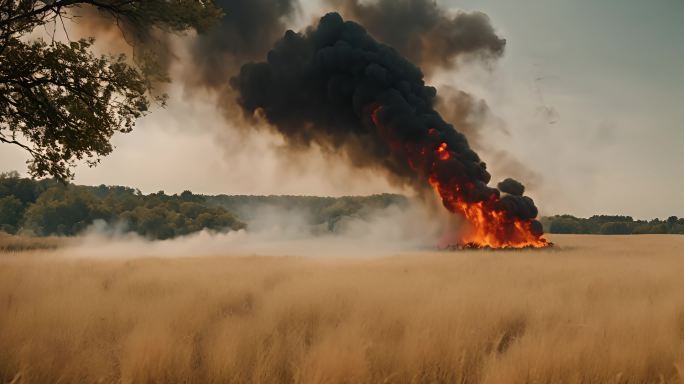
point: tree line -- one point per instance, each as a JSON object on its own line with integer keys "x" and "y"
{"x": 50, "y": 207}
{"x": 612, "y": 225}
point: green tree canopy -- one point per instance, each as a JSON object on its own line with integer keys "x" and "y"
{"x": 62, "y": 103}
{"x": 11, "y": 213}
{"x": 565, "y": 225}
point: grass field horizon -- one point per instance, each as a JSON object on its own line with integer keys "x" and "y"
{"x": 593, "y": 309}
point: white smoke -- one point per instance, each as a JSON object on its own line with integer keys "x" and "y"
{"x": 278, "y": 232}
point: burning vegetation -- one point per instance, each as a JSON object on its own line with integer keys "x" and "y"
{"x": 494, "y": 221}
{"x": 336, "y": 87}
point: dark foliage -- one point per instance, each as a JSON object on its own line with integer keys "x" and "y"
{"x": 48, "y": 207}
{"x": 612, "y": 225}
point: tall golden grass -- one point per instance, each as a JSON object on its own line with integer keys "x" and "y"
{"x": 596, "y": 310}
{"x": 12, "y": 243}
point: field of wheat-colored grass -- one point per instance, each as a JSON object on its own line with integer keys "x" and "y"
{"x": 593, "y": 310}
{"x": 11, "y": 243}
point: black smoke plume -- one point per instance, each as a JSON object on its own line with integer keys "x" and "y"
{"x": 512, "y": 187}
{"x": 425, "y": 33}
{"x": 335, "y": 86}
{"x": 434, "y": 37}
{"x": 245, "y": 33}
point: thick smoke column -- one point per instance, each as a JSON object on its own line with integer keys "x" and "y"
{"x": 425, "y": 33}
{"x": 434, "y": 37}
{"x": 337, "y": 87}
{"x": 437, "y": 38}
{"x": 246, "y": 32}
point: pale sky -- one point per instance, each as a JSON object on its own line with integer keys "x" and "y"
{"x": 590, "y": 92}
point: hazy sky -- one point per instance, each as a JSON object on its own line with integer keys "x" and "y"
{"x": 614, "y": 73}
{"x": 591, "y": 94}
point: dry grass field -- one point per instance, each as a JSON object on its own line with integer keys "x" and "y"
{"x": 593, "y": 310}
{"x": 9, "y": 243}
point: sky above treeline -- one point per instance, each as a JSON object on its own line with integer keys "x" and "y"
{"x": 587, "y": 98}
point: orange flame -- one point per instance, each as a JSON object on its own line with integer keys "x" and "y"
{"x": 488, "y": 227}
{"x": 443, "y": 152}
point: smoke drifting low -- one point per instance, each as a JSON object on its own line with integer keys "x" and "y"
{"x": 278, "y": 232}
{"x": 336, "y": 87}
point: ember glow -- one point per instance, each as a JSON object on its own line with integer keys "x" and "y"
{"x": 489, "y": 225}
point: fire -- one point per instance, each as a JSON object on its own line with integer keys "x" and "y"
{"x": 489, "y": 224}
{"x": 443, "y": 152}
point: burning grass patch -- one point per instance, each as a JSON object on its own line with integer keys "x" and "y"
{"x": 472, "y": 246}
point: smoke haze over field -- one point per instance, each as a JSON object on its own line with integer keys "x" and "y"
{"x": 279, "y": 232}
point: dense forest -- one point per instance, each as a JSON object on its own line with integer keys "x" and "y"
{"x": 49, "y": 207}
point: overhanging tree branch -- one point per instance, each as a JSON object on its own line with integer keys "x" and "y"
{"x": 67, "y": 102}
